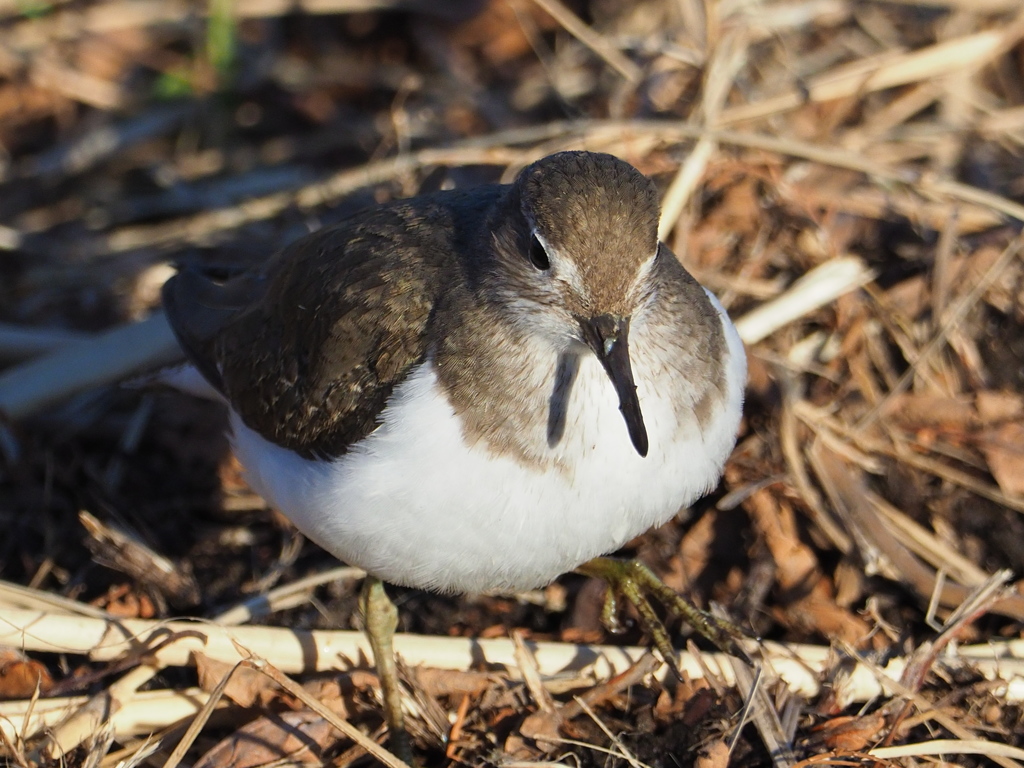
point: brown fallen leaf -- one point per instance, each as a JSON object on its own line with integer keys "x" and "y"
{"x": 125, "y": 602}
{"x": 809, "y": 597}
{"x": 1004, "y": 451}
{"x": 850, "y": 734}
{"x": 1003, "y": 442}
{"x": 914, "y": 409}
{"x": 999, "y": 405}
{"x": 713, "y": 755}
{"x": 544, "y": 727}
{"x": 247, "y": 687}
{"x": 453, "y": 682}
{"x": 20, "y": 675}
{"x": 295, "y": 737}
{"x": 498, "y": 31}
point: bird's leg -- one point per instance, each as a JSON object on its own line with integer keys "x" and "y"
{"x": 635, "y": 583}
{"x": 380, "y": 617}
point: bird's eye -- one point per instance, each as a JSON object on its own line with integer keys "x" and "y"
{"x": 538, "y": 254}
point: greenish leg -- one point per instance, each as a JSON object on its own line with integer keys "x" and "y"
{"x": 635, "y": 583}
{"x": 381, "y": 619}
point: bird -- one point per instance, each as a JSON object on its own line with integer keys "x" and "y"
{"x": 478, "y": 389}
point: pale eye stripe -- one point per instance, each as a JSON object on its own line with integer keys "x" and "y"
{"x": 564, "y": 268}
{"x": 644, "y": 272}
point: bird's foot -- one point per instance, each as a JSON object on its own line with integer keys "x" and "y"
{"x": 381, "y": 619}
{"x": 634, "y": 582}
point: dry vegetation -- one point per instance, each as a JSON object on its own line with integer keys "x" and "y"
{"x": 843, "y": 173}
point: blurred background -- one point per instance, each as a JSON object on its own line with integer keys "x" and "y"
{"x": 846, "y": 175}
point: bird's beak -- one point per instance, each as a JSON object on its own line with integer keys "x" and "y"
{"x": 608, "y": 336}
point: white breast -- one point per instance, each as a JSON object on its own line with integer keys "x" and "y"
{"x": 415, "y": 505}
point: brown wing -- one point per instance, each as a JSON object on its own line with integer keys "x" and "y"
{"x": 308, "y": 349}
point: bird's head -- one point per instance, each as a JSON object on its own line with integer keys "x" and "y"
{"x": 576, "y": 246}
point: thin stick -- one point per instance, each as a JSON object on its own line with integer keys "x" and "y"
{"x": 200, "y": 720}
{"x": 93, "y": 714}
{"x": 950, "y": 747}
{"x": 149, "y": 711}
{"x": 349, "y": 730}
{"x": 106, "y": 358}
{"x": 888, "y": 71}
{"x": 18, "y": 342}
{"x": 623, "y": 750}
{"x": 494, "y": 149}
{"x": 821, "y": 285}
{"x": 574, "y": 25}
{"x": 295, "y": 651}
{"x": 730, "y": 56}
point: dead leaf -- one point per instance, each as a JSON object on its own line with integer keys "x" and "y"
{"x": 713, "y": 755}
{"x": 1002, "y": 442}
{"x": 1003, "y": 447}
{"x": 290, "y": 737}
{"x": 851, "y": 734}
{"x": 20, "y": 675}
{"x": 921, "y": 409}
{"x": 452, "y": 682}
{"x": 498, "y": 31}
{"x": 999, "y": 405}
{"x": 247, "y": 687}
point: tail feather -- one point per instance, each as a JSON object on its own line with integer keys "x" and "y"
{"x": 198, "y": 308}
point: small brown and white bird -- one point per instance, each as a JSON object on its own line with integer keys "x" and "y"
{"x": 475, "y": 390}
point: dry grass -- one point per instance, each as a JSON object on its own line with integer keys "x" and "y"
{"x": 845, "y": 175}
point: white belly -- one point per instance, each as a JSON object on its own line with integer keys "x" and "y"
{"x": 413, "y": 504}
